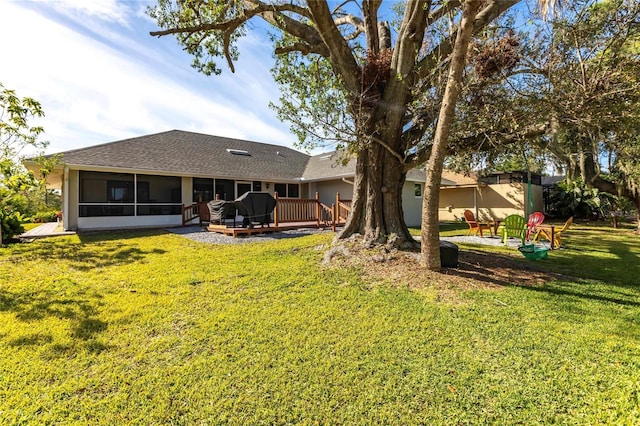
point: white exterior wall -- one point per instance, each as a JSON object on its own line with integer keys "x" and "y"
{"x": 327, "y": 191}
{"x": 122, "y": 222}
{"x": 73, "y": 192}
{"x": 412, "y": 205}
{"x": 187, "y": 191}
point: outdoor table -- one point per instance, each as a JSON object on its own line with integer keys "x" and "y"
{"x": 551, "y": 231}
{"x": 496, "y": 224}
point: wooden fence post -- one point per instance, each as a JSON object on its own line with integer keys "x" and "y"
{"x": 333, "y": 217}
{"x": 318, "y": 210}
{"x": 275, "y": 210}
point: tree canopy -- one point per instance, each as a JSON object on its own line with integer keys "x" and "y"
{"x": 16, "y": 134}
{"x": 350, "y": 74}
{"x": 573, "y": 96}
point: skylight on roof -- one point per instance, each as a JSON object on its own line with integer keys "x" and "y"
{"x": 238, "y": 152}
{"x": 325, "y": 157}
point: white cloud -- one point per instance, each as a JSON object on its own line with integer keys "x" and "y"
{"x": 106, "y": 10}
{"x": 96, "y": 89}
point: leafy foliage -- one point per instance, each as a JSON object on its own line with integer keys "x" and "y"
{"x": 312, "y": 101}
{"x": 17, "y": 185}
{"x": 576, "y": 199}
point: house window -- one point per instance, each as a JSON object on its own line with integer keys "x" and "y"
{"x": 417, "y": 189}
{"x": 290, "y": 190}
{"x": 202, "y": 189}
{"x": 281, "y": 189}
{"x": 225, "y": 189}
{"x": 293, "y": 190}
{"x": 158, "y": 195}
{"x": 106, "y": 194}
{"x": 119, "y": 191}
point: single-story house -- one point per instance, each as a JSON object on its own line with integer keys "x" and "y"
{"x": 145, "y": 181}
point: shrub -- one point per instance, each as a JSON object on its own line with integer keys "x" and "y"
{"x": 45, "y": 216}
{"x": 11, "y": 223}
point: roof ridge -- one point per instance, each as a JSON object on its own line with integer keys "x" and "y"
{"x": 178, "y": 131}
{"x": 110, "y": 143}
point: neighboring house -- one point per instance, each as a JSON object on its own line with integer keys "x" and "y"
{"x": 146, "y": 181}
{"x": 491, "y": 197}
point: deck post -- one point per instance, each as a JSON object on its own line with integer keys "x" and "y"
{"x": 318, "y": 210}
{"x": 333, "y": 217}
{"x": 275, "y": 210}
{"x": 183, "y": 222}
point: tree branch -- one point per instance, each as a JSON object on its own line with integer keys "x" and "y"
{"x": 444, "y": 49}
{"x": 342, "y": 58}
{"x": 388, "y": 148}
{"x": 370, "y": 13}
{"x": 273, "y": 14}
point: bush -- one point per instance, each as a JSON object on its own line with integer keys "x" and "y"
{"x": 11, "y": 223}
{"x": 45, "y": 216}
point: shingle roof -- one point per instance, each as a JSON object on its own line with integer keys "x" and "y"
{"x": 194, "y": 154}
{"x": 331, "y": 165}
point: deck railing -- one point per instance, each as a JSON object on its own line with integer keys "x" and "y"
{"x": 341, "y": 209}
{"x": 287, "y": 210}
{"x": 195, "y": 211}
{"x": 296, "y": 210}
{"x": 190, "y": 213}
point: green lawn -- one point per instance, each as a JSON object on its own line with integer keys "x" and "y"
{"x": 30, "y": 226}
{"x": 151, "y": 328}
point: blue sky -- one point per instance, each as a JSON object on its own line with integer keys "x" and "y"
{"x": 101, "y": 77}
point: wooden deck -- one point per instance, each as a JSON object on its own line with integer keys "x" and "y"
{"x": 238, "y": 231}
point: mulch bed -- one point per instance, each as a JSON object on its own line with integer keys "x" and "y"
{"x": 476, "y": 270}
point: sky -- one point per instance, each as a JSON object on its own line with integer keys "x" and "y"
{"x": 101, "y": 77}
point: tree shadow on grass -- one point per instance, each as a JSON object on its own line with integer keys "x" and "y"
{"x": 80, "y": 310}
{"x": 503, "y": 270}
{"x": 93, "y": 251}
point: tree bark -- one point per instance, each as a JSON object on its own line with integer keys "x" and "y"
{"x": 430, "y": 223}
{"x": 376, "y": 210}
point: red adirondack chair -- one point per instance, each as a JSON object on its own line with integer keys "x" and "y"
{"x": 535, "y": 219}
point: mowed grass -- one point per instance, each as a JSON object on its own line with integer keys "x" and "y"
{"x": 152, "y": 328}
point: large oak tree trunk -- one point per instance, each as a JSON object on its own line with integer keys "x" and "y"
{"x": 376, "y": 211}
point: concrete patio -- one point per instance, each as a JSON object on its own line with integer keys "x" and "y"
{"x": 49, "y": 229}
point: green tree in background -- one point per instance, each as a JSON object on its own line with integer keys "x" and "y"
{"x": 16, "y": 135}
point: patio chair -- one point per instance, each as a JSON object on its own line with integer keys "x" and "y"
{"x": 545, "y": 233}
{"x": 513, "y": 226}
{"x": 475, "y": 226}
{"x": 535, "y": 219}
